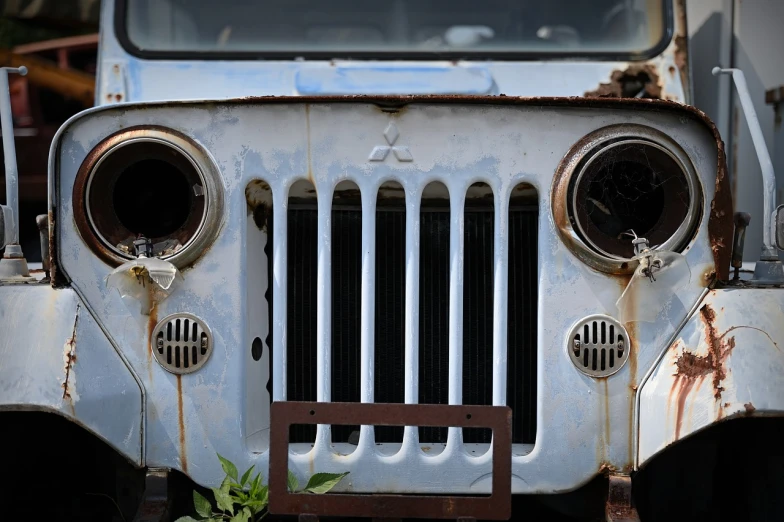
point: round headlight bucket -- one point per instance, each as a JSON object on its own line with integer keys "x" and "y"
{"x": 150, "y": 182}
{"x": 625, "y": 178}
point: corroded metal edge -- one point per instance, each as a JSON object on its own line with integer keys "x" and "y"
{"x": 497, "y": 506}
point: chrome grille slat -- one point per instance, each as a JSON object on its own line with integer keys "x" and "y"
{"x": 279, "y": 291}
{"x": 411, "y": 347}
{"x": 500, "y": 296}
{"x": 456, "y": 263}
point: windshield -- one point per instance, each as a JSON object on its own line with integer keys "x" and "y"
{"x": 347, "y": 28}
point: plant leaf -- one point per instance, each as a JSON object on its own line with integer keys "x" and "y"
{"x": 223, "y": 499}
{"x": 186, "y": 519}
{"x": 202, "y": 505}
{"x": 264, "y": 494}
{"x": 293, "y": 483}
{"x": 226, "y": 485}
{"x": 228, "y": 467}
{"x": 246, "y": 475}
{"x": 255, "y": 485}
{"x": 323, "y": 482}
{"x": 255, "y": 505}
{"x": 242, "y": 516}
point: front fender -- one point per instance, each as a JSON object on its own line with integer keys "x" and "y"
{"x": 727, "y": 361}
{"x": 55, "y": 358}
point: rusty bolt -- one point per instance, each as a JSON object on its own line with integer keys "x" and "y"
{"x": 620, "y": 345}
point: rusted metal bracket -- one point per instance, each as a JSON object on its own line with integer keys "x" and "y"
{"x": 619, "y": 507}
{"x": 496, "y": 506}
{"x": 154, "y": 506}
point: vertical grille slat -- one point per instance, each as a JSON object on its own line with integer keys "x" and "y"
{"x": 417, "y": 337}
{"x": 280, "y": 310}
{"x": 412, "y": 314}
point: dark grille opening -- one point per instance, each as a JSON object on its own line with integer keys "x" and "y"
{"x": 389, "y": 374}
{"x": 521, "y": 323}
{"x": 478, "y": 269}
{"x": 346, "y": 307}
{"x": 301, "y": 314}
{"x": 433, "y": 314}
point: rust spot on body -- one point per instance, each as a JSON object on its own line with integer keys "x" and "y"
{"x": 605, "y": 468}
{"x": 606, "y": 415}
{"x": 749, "y": 408}
{"x": 152, "y": 321}
{"x": 720, "y": 220}
{"x": 69, "y": 357}
{"x": 181, "y": 425}
{"x": 636, "y": 81}
{"x": 258, "y": 195}
{"x": 692, "y": 369}
{"x": 681, "y": 44}
{"x": 631, "y": 329}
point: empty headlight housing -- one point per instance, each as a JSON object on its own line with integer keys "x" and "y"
{"x": 150, "y": 182}
{"x": 621, "y": 178}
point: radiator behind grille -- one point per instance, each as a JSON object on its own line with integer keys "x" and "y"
{"x": 433, "y": 317}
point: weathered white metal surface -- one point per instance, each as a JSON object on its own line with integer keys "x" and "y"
{"x": 55, "y": 358}
{"x": 727, "y": 362}
{"x": 583, "y": 424}
{"x": 123, "y": 77}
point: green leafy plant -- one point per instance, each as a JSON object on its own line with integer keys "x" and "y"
{"x": 242, "y": 499}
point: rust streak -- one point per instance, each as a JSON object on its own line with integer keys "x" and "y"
{"x": 631, "y": 329}
{"x": 70, "y": 357}
{"x": 151, "y": 323}
{"x": 181, "y": 421}
{"x": 681, "y": 43}
{"x": 692, "y": 369}
{"x": 606, "y": 416}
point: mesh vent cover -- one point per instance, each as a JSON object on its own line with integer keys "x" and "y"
{"x": 598, "y": 345}
{"x": 181, "y": 343}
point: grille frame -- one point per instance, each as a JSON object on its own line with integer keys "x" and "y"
{"x": 521, "y": 351}
{"x": 163, "y": 348}
{"x": 586, "y": 360}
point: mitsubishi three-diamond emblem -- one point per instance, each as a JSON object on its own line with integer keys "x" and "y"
{"x": 380, "y": 152}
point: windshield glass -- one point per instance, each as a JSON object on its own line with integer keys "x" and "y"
{"x": 405, "y": 27}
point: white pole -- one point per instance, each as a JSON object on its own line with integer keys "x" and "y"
{"x": 9, "y": 152}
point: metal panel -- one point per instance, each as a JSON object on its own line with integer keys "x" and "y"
{"x": 703, "y": 378}
{"x": 56, "y": 359}
{"x": 501, "y": 141}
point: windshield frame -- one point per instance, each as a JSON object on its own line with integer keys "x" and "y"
{"x": 121, "y": 33}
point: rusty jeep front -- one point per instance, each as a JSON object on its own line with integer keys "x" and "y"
{"x": 460, "y": 300}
